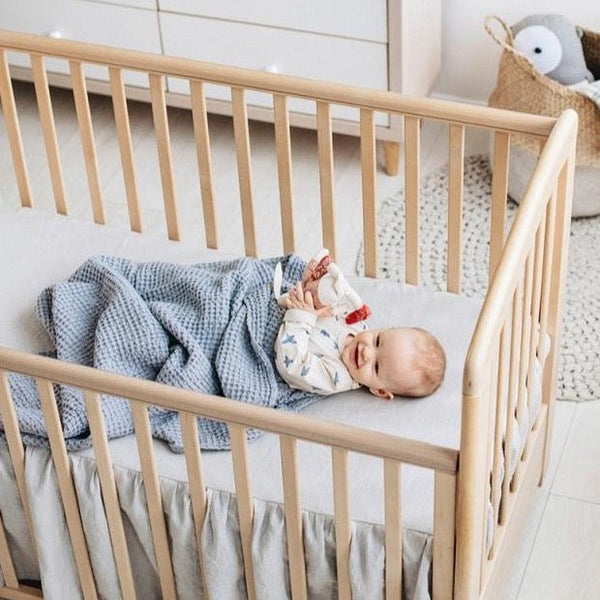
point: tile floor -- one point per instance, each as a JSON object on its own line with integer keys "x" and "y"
{"x": 559, "y": 555}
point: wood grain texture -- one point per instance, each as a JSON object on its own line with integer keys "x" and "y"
{"x": 109, "y": 494}
{"x": 13, "y": 131}
{"x": 284, "y": 171}
{"x": 326, "y": 177}
{"x": 204, "y": 158}
{"x": 86, "y": 131}
{"x": 125, "y": 148}
{"x": 369, "y": 198}
{"x": 293, "y": 516}
{"x": 66, "y": 487}
{"x": 42, "y": 92}
{"x": 160, "y": 539}
{"x": 242, "y": 151}
{"x": 163, "y": 142}
{"x": 412, "y": 169}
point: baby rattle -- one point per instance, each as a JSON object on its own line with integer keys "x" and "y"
{"x": 328, "y": 287}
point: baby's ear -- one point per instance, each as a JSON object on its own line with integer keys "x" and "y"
{"x": 381, "y": 393}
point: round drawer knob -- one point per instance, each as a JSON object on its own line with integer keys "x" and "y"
{"x": 271, "y": 69}
{"x": 56, "y": 34}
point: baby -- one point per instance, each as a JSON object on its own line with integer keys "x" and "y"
{"x": 323, "y": 352}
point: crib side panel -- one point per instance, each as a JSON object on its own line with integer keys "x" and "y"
{"x": 277, "y": 90}
{"x": 510, "y": 372}
{"x": 342, "y": 441}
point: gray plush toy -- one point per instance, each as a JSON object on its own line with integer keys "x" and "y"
{"x": 553, "y": 44}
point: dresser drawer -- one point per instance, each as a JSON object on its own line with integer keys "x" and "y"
{"x": 315, "y": 56}
{"x": 94, "y": 22}
{"x": 361, "y": 19}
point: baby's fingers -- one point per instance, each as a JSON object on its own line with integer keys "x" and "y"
{"x": 308, "y": 272}
{"x": 308, "y": 300}
{"x": 325, "y": 311}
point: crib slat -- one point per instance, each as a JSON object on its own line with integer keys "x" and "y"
{"x": 160, "y": 540}
{"x": 293, "y": 516}
{"x": 284, "y": 170}
{"x": 522, "y": 410}
{"x": 242, "y": 149}
{"x": 243, "y": 493}
{"x": 193, "y": 461}
{"x": 6, "y": 562}
{"x": 501, "y": 391}
{"x": 9, "y": 109}
{"x": 499, "y": 195}
{"x": 456, "y": 154}
{"x": 515, "y": 346}
{"x": 412, "y": 151}
{"x": 109, "y": 493}
{"x": 84, "y": 118}
{"x": 15, "y": 448}
{"x": 547, "y": 273}
{"x": 343, "y": 532}
{"x": 125, "y": 147}
{"x": 444, "y": 535}
{"x": 393, "y": 529}
{"x": 325, "y": 143}
{"x": 536, "y": 302}
{"x": 369, "y": 179}
{"x": 204, "y": 155}
{"x": 161, "y": 129}
{"x": 66, "y": 487}
{"x": 42, "y": 92}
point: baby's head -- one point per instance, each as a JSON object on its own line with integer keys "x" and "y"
{"x": 402, "y": 361}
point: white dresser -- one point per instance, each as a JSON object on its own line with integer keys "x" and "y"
{"x": 379, "y": 44}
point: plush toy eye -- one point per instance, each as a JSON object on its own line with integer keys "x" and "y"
{"x": 541, "y": 46}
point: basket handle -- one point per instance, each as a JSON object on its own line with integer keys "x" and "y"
{"x": 489, "y": 21}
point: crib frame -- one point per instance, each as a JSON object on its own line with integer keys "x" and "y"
{"x": 523, "y": 304}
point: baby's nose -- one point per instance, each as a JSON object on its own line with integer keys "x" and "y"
{"x": 366, "y": 352}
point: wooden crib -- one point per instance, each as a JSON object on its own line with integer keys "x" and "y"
{"x": 522, "y": 307}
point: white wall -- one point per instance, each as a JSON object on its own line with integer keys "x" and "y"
{"x": 470, "y": 57}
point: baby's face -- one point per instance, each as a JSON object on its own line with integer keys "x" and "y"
{"x": 380, "y": 359}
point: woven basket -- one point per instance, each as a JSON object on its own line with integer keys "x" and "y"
{"x": 522, "y": 87}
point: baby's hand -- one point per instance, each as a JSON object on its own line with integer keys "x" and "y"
{"x": 303, "y": 300}
{"x": 309, "y": 271}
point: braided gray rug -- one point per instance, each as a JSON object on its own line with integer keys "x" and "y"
{"x": 579, "y": 364}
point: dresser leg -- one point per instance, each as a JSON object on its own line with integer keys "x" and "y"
{"x": 391, "y": 151}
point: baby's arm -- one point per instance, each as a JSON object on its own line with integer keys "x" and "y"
{"x": 299, "y": 367}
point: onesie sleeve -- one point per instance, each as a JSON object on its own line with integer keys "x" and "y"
{"x": 301, "y": 368}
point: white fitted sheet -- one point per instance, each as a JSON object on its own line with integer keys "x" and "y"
{"x": 37, "y": 250}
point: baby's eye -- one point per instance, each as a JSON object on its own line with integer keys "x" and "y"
{"x": 377, "y": 341}
{"x": 376, "y": 368}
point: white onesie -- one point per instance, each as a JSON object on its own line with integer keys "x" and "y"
{"x": 308, "y": 352}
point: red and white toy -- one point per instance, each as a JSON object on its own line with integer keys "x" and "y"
{"x": 328, "y": 287}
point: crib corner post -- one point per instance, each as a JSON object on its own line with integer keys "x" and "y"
{"x": 469, "y": 529}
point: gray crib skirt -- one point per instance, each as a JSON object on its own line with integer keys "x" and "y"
{"x": 219, "y": 573}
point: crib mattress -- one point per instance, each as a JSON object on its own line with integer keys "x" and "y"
{"x": 37, "y": 250}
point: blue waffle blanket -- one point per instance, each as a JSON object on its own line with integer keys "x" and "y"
{"x": 209, "y": 327}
